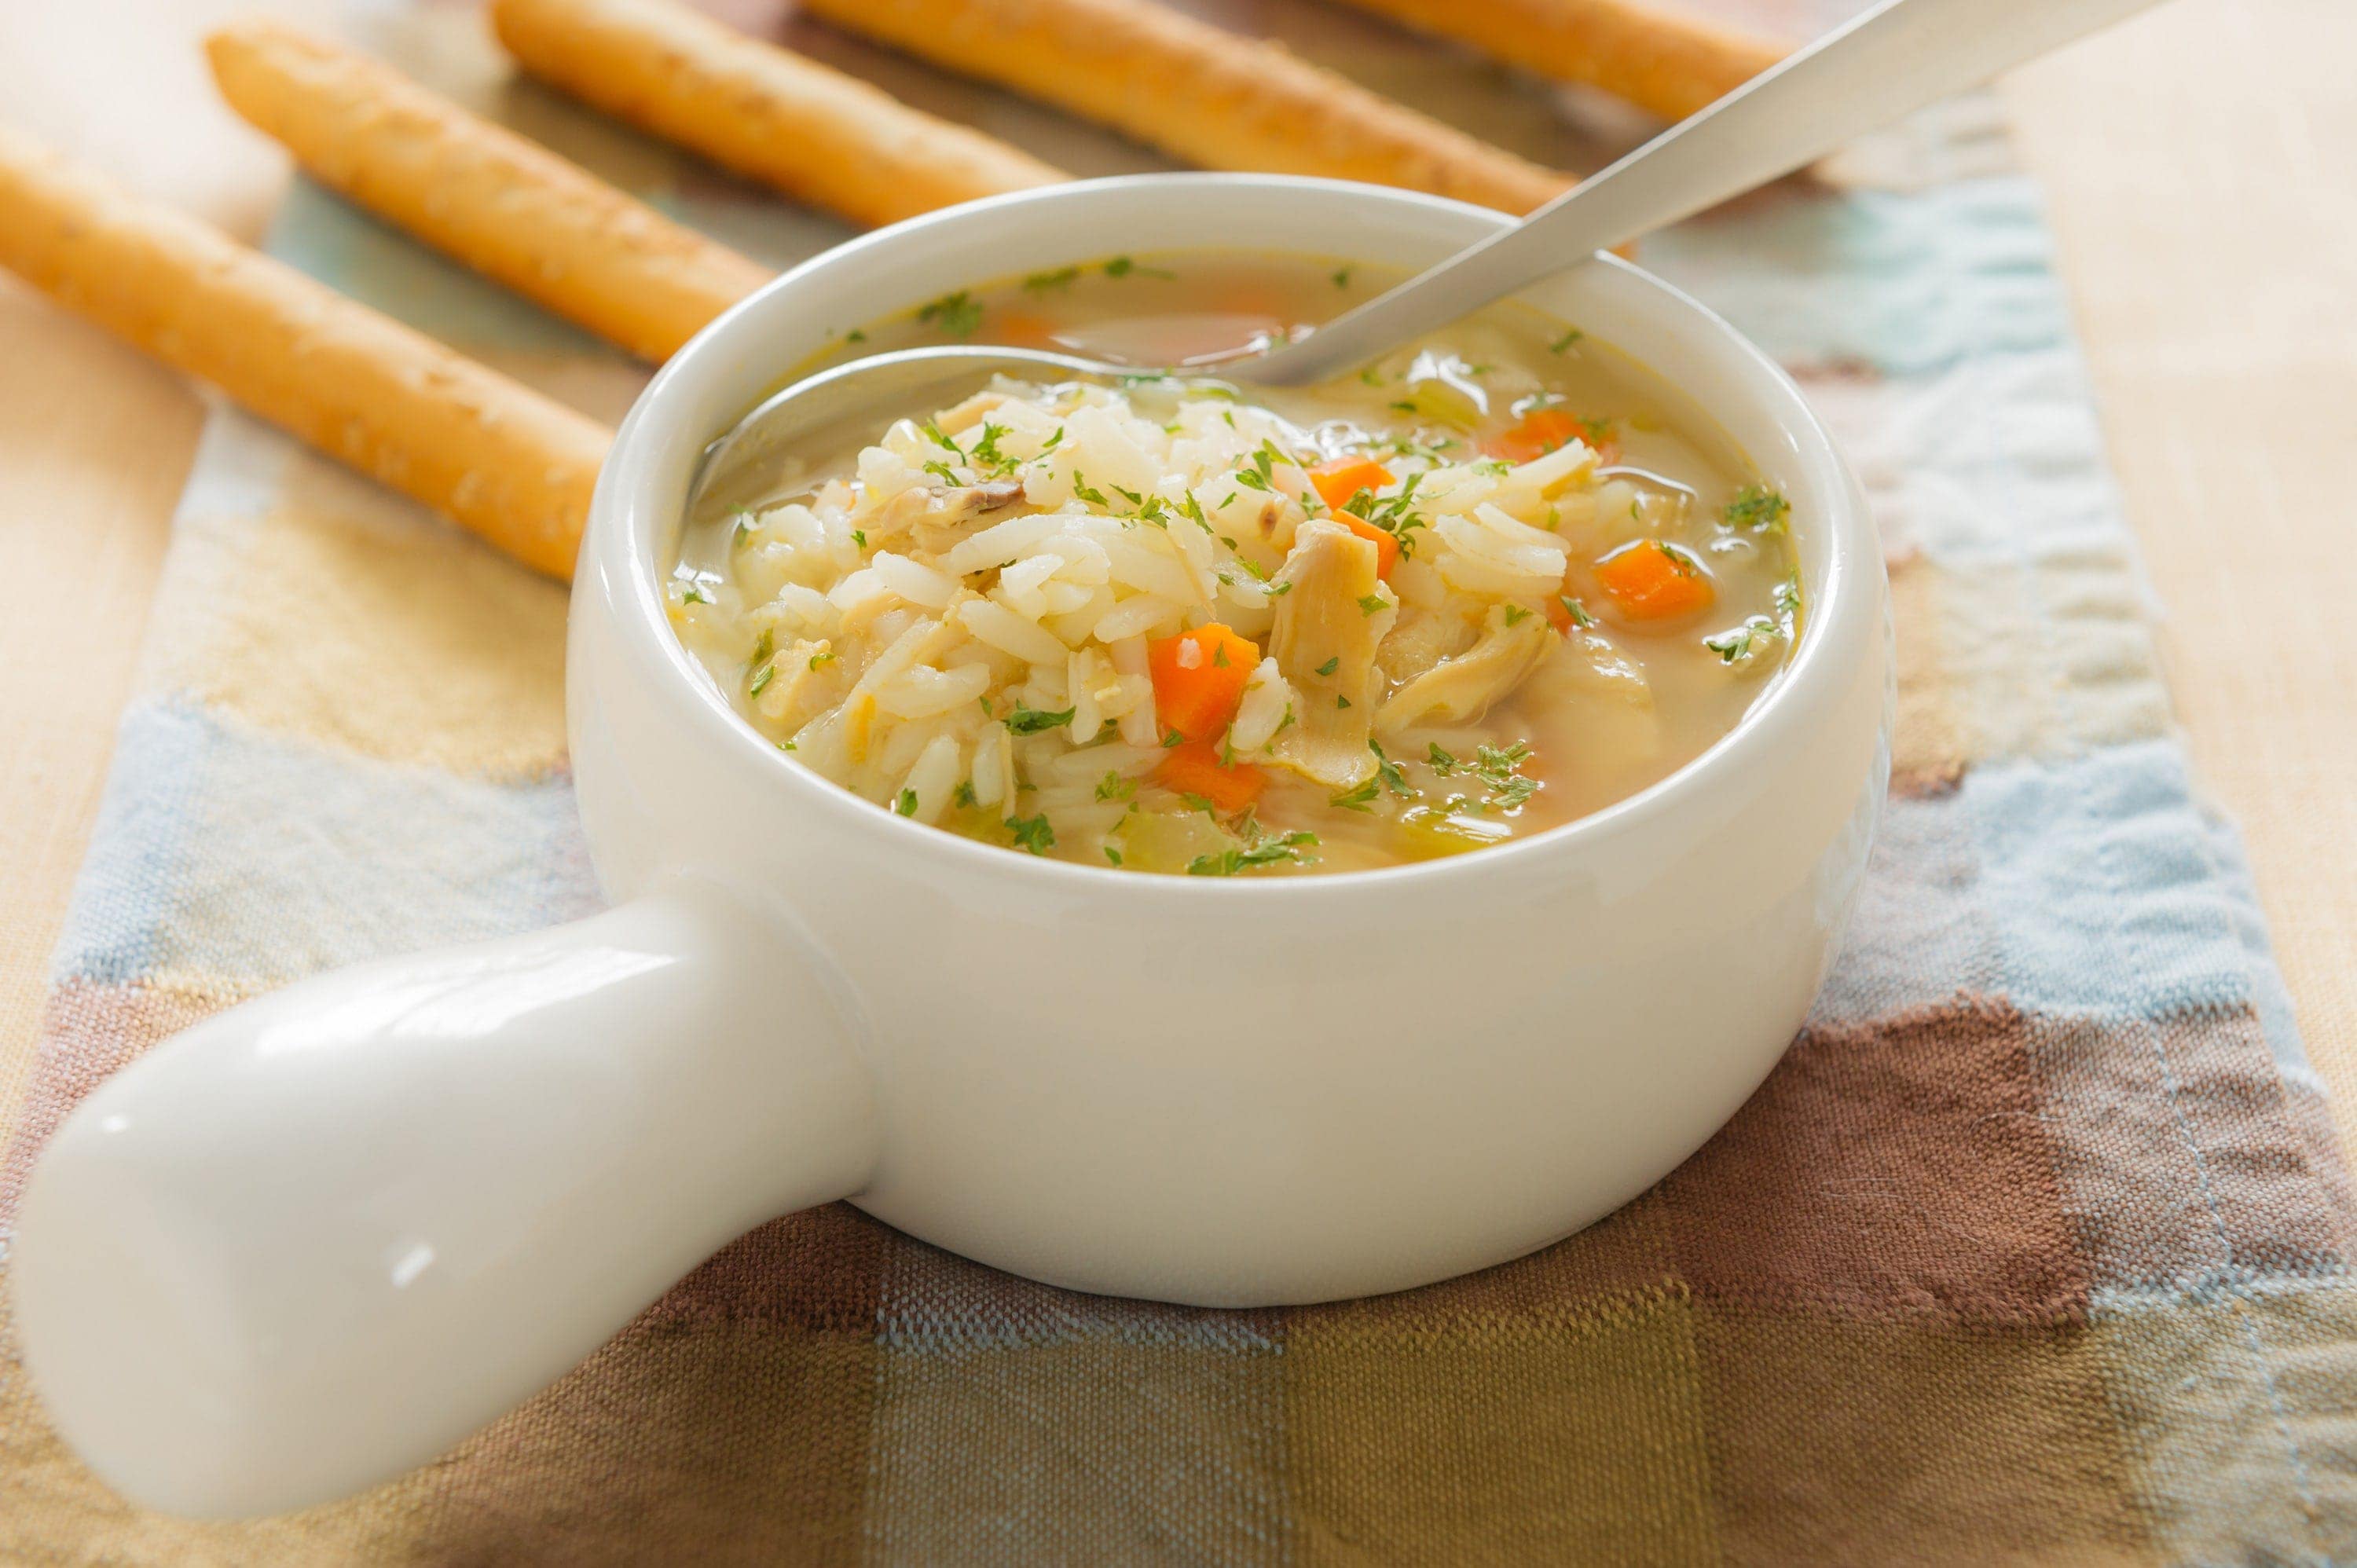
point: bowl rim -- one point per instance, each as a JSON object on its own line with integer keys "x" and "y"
{"x": 619, "y": 560}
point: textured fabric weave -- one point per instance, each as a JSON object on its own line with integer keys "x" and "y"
{"x": 2033, "y": 1248}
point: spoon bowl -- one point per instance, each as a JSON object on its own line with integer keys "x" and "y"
{"x": 1887, "y": 63}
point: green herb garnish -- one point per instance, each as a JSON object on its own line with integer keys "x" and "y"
{"x": 1282, "y": 850}
{"x": 1032, "y": 721}
{"x": 957, "y": 314}
{"x": 1032, "y": 834}
{"x": 1759, "y": 509}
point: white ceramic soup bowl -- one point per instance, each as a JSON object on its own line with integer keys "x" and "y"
{"x": 320, "y": 1237}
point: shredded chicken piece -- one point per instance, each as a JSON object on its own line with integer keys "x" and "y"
{"x": 805, "y": 679}
{"x": 1329, "y": 624}
{"x": 938, "y": 519}
{"x": 1422, "y": 639}
{"x": 1461, "y": 690}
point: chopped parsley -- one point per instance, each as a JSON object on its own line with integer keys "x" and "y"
{"x": 1759, "y": 509}
{"x": 1396, "y": 515}
{"x": 1516, "y": 615}
{"x": 1113, "y": 855}
{"x": 1172, "y": 739}
{"x": 859, "y": 537}
{"x": 1389, "y": 772}
{"x": 1113, "y": 786}
{"x": 907, "y": 804}
{"x": 1441, "y": 762}
{"x": 761, "y": 679}
{"x": 1259, "y": 473}
{"x": 1374, "y": 604}
{"x": 1081, "y": 489}
{"x": 957, "y": 314}
{"x": 1361, "y": 798}
{"x": 1499, "y": 768}
{"x": 693, "y": 593}
{"x": 1060, "y": 277}
{"x": 986, "y": 455}
{"x": 822, "y": 657}
{"x": 1565, "y": 341}
{"x": 1033, "y": 834}
{"x": 1284, "y": 849}
{"x": 965, "y": 796}
{"x": 1143, "y": 508}
{"x": 1740, "y": 644}
{"x": 1033, "y": 721}
{"x": 1788, "y": 597}
{"x": 1330, "y": 665}
{"x": 1575, "y": 610}
{"x": 1123, "y": 267}
{"x": 1341, "y": 277}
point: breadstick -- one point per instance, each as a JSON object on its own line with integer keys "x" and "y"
{"x": 1199, "y": 92}
{"x": 495, "y": 456}
{"x": 1663, "y": 60}
{"x": 814, "y": 133}
{"x": 504, "y": 206}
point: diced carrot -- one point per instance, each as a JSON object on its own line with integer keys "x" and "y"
{"x": 1194, "y": 768}
{"x": 1543, "y": 430}
{"x": 1386, "y": 542}
{"x": 1537, "y": 432}
{"x": 1199, "y": 679}
{"x": 1022, "y": 329}
{"x": 1648, "y": 582}
{"x": 1343, "y": 477}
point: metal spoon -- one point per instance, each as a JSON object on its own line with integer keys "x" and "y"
{"x": 1892, "y": 59}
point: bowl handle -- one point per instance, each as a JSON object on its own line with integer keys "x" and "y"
{"x": 319, "y": 1238}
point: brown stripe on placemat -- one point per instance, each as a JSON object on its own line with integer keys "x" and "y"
{"x": 1898, "y": 1168}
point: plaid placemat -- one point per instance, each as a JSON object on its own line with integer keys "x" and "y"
{"x": 2032, "y": 1249}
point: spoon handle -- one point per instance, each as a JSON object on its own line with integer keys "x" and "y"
{"x": 1889, "y": 61}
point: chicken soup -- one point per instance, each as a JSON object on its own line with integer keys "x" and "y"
{"x": 1489, "y": 585}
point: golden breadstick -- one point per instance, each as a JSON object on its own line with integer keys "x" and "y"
{"x": 504, "y": 206}
{"x": 496, "y": 456}
{"x": 1663, "y": 60}
{"x": 815, "y": 134}
{"x": 1196, "y": 92}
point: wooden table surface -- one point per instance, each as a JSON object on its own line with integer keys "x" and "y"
{"x": 2200, "y": 167}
